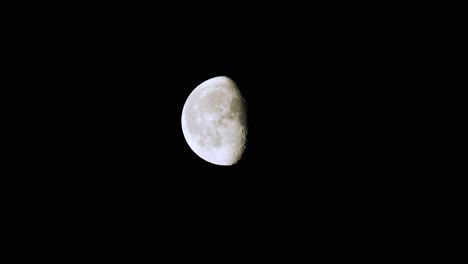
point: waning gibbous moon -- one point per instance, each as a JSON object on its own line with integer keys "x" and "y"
{"x": 214, "y": 121}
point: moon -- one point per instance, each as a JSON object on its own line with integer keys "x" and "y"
{"x": 214, "y": 121}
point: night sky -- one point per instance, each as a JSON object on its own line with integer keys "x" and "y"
{"x": 342, "y": 158}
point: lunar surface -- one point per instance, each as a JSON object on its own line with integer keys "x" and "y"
{"x": 214, "y": 121}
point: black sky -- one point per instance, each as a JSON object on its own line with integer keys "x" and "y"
{"x": 343, "y": 157}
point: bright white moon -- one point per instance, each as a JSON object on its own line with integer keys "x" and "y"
{"x": 214, "y": 121}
